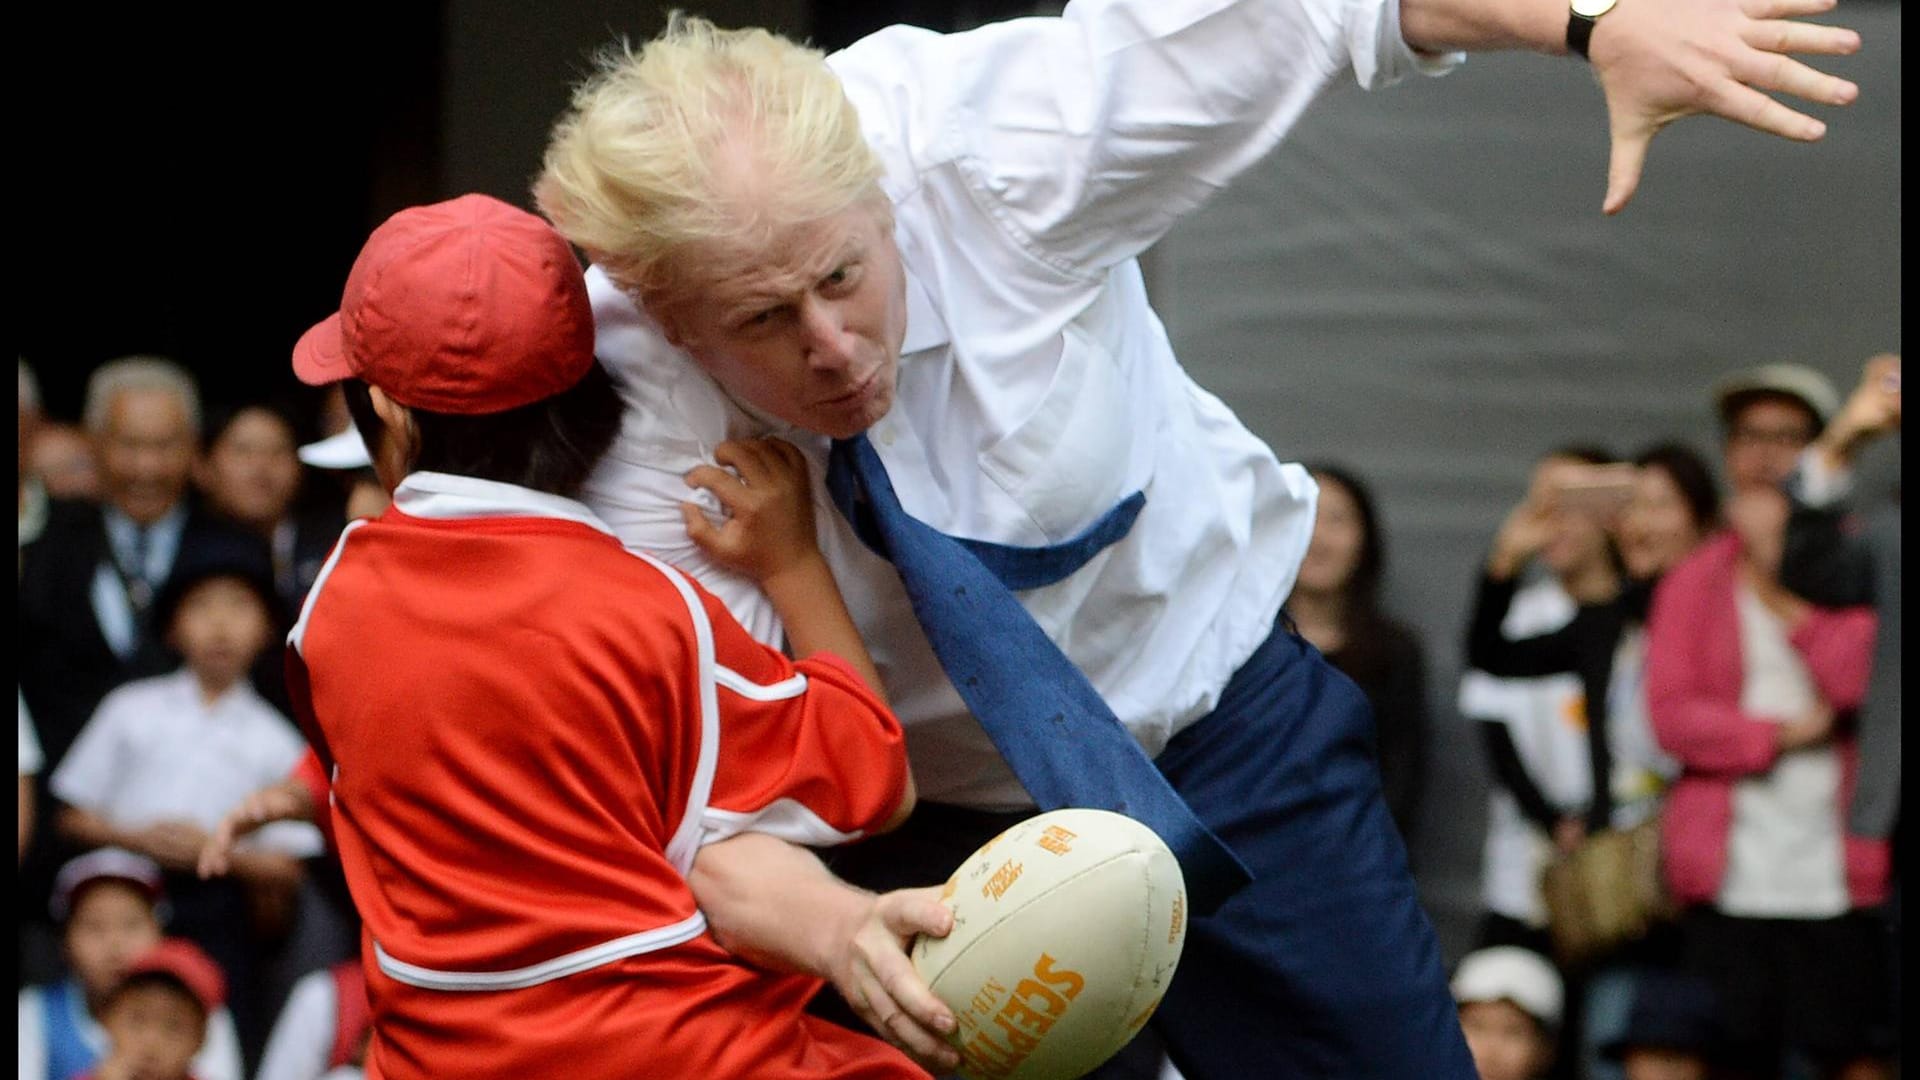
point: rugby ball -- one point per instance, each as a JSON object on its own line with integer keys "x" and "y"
{"x": 1066, "y": 931}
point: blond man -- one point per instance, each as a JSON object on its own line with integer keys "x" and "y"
{"x": 922, "y": 249}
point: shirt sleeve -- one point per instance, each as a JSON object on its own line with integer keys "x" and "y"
{"x": 807, "y": 752}
{"x": 1084, "y": 137}
{"x": 90, "y": 773}
{"x": 219, "y": 1056}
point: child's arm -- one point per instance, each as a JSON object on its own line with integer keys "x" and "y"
{"x": 819, "y": 925}
{"x": 283, "y": 800}
{"x": 769, "y": 537}
{"x": 173, "y": 844}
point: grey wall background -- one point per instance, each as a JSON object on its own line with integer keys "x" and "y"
{"x": 1420, "y": 283}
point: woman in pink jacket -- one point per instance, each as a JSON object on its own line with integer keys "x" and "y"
{"x": 1750, "y": 688}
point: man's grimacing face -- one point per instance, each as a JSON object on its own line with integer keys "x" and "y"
{"x": 807, "y": 329}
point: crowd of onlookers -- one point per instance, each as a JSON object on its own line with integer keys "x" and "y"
{"x": 1659, "y": 664}
{"x": 1688, "y": 699}
{"x": 165, "y": 548}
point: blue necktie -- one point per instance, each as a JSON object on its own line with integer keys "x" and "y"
{"x": 1045, "y": 718}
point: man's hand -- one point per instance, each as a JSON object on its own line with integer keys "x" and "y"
{"x": 1810, "y": 729}
{"x": 875, "y": 975}
{"x": 1872, "y": 409}
{"x": 1660, "y": 60}
{"x": 284, "y": 801}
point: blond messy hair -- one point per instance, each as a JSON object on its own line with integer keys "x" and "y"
{"x": 703, "y": 135}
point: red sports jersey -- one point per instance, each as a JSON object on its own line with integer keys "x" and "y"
{"x": 532, "y": 731}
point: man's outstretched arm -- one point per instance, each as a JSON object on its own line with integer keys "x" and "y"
{"x": 1660, "y": 60}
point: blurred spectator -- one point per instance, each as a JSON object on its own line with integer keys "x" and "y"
{"x": 1336, "y": 605}
{"x": 30, "y": 764}
{"x": 1746, "y": 688}
{"x": 87, "y": 582}
{"x": 1832, "y": 561}
{"x": 1510, "y": 1002}
{"x": 107, "y": 902}
{"x": 1675, "y": 506}
{"x": 64, "y": 459}
{"x": 157, "y": 1017}
{"x": 1544, "y": 754}
{"x": 1673, "y": 1032}
{"x": 324, "y": 1026}
{"x": 1835, "y": 559}
{"x": 250, "y": 473}
{"x": 164, "y": 757}
{"x": 33, "y": 496}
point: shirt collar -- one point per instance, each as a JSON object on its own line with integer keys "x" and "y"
{"x": 183, "y": 683}
{"x": 445, "y": 497}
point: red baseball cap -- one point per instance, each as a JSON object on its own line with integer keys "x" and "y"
{"x": 468, "y": 307}
{"x": 185, "y": 963}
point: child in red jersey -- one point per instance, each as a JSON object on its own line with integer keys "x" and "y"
{"x": 530, "y": 731}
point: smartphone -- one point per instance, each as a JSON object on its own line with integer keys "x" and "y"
{"x": 1600, "y": 489}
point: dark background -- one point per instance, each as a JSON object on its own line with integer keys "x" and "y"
{"x": 196, "y": 184}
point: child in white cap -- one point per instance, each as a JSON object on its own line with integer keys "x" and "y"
{"x": 1510, "y": 1002}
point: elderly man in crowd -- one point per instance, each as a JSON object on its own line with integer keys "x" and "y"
{"x": 916, "y": 260}
{"x": 88, "y": 580}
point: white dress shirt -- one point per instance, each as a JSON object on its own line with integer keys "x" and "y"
{"x": 154, "y": 751}
{"x": 303, "y": 1035}
{"x": 1029, "y": 162}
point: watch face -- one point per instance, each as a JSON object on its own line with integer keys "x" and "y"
{"x": 1592, "y": 9}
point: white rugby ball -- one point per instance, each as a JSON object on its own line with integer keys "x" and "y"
{"x": 1066, "y": 931}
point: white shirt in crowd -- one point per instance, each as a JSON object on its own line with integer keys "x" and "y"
{"x": 218, "y": 1059}
{"x": 1786, "y": 858}
{"x": 303, "y": 1036}
{"x": 153, "y": 751}
{"x": 30, "y": 759}
{"x": 1546, "y": 718}
{"x": 1029, "y": 162}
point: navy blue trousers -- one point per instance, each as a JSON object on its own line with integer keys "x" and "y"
{"x": 1326, "y": 966}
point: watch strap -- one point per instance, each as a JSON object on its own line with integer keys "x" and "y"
{"x": 1579, "y": 33}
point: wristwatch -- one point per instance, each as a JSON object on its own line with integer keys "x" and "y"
{"x": 1581, "y": 15}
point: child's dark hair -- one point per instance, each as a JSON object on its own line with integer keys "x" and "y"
{"x": 551, "y": 445}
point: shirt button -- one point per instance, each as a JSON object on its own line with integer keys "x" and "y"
{"x": 886, "y": 434}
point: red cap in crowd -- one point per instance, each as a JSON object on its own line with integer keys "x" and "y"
{"x": 185, "y": 963}
{"x": 467, "y": 307}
